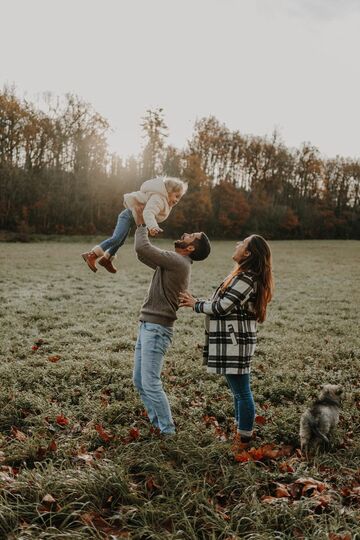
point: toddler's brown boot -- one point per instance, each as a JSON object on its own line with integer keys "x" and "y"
{"x": 90, "y": 258}
{"x": 107, "y": 264}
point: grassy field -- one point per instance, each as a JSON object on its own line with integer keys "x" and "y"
{"x": 77, "y": 458}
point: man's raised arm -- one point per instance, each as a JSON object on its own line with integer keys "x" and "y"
{"x": 146, "y": 252}
{"x": 151, "y": 255}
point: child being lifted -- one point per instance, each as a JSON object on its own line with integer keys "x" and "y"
{"x": 157, "y": 197}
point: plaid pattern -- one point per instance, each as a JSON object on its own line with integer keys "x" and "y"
{"x": 230, "y": 339}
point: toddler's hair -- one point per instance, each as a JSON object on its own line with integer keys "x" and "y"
{"x": 175, "y": 185}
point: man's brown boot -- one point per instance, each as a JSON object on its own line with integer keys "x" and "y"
{"x": 90, "y": 258}
{"x": 107, "y": 263}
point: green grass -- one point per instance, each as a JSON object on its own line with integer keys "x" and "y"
{"x": 190, "y": 487}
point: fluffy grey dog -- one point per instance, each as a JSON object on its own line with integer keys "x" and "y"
{"x": 317, "y": 421}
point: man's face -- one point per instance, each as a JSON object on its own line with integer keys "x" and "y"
{"x": 187, "y": 239}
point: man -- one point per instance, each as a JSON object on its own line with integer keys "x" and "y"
{"x": 158, "y": 314}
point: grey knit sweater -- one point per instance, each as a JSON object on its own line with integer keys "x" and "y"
{"x": 171, "y": 276}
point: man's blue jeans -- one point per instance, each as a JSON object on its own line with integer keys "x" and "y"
{"x": 151, "y": 345}
{"x": 123, "y": 226}
{"x": 243, "y": 402}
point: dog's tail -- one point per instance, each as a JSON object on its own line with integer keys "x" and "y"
{"x": 314, "y": 428}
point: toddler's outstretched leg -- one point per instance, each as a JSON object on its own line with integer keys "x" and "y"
{"x": 112, "y": 244}
{"x": 107, "y": 249}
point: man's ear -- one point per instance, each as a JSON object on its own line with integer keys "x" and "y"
{"x": 190, "y": 248}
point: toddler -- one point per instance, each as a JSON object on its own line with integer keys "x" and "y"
{"x": 156, "y": 196}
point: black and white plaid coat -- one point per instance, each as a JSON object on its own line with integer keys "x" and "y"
{"x": 230, "y": 337}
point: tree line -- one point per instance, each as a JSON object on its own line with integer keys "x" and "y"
{"x": 58, "y": 176}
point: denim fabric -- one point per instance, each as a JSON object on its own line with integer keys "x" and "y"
{"x": 151, "y": 345}
{"x": 123, "y": 226}
{"x": 243, "y": 402}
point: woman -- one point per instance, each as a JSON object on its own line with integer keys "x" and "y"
{"x": 231, "y": 320}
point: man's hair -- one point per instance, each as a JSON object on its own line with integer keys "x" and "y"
{"x": 175, "y": 185}
{"x": 202, "y": 248}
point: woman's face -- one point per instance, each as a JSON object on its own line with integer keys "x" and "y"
{"x": 241, "y": 250}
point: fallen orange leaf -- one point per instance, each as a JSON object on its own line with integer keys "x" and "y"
{"x": 106, "y": 437}
{"x": 261, "y": 420}
{"x": 19, "y": 435}
{"x": 151, "y": 484}
{"x": 54, "y": 358}
{"x": 269, "y": 499}
{"x": 310, "y": 484}
{"x": 52, "y": 446}
{"x": 282, "y": 491}
{"x": 340, "y": 536}
{"x": 286, "y": 467}
{"x": 242, "y": 457}
{"x": 61, "y": 420}
{"x": 134, "y": 433}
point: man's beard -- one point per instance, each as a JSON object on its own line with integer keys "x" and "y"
{"x": 180, "y": 244}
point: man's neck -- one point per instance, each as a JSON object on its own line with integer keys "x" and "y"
{"x": 182, "y": 252}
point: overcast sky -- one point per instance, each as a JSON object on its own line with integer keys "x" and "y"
{"x": 256, "y": 65}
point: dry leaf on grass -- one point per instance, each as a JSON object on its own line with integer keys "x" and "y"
{"x": 282, "y": 491}
{"x": 311, "y": 485}
{"x": 17, "y": 434}
{"x": 96, "y": 521}
{"x": 52, "y": 446}
{"x": 48, "y": 498}
{"x": 272, "y": 500}
{"x": 267, "y": 451}
{"x": 61, "y": 420}
{"x": 54, "y": 358}
{"x": 339, "y": 536}
{"x": 104, "y": 435}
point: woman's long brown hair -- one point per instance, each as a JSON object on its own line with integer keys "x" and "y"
{"x": 259, "y": 264}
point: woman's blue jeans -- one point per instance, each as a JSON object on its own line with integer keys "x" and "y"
{"x": 123, "y": 226}
{"x": 151, "y": 345}
{"x": 243, "y": 402}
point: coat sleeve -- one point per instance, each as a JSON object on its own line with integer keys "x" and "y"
{"x": 152, "y": 209}
{"x": 236, "y": 295}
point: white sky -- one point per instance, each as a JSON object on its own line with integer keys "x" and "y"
{"x": 254, "y": 64}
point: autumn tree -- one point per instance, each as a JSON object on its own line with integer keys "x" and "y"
{"x": 194, "y": 211}
{"x": 155, "y": 132}
{"x": 56, "y": 175}
{"x": 230, "y": 211}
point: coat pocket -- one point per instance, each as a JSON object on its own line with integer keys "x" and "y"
{"x": 231, "y": 331}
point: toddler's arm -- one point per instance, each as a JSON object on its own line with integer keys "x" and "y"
{"x": 152, "y": 209}
{"x": 154, "y": 231}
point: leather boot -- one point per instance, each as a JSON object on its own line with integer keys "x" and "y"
{"x": 90, "y": 258}
{"x": 107, "y": 264}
